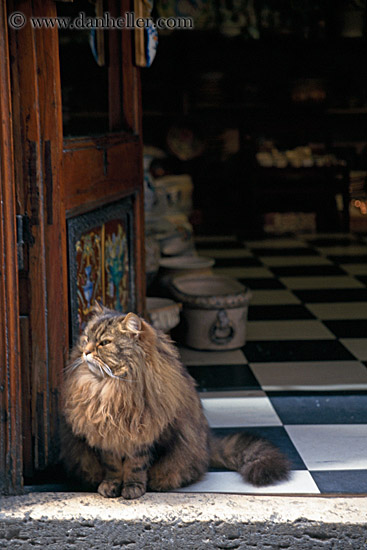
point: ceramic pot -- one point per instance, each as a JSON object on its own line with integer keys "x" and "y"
{"x": 181, "y": 266}
{"x": 164, "y": 314}
{"x": 185, "y": 265}
{"x": 178, "y": 191}
{"x": 214, "y": 312}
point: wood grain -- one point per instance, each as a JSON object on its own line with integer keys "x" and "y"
{"x": 48, "y": 180}
{"x": 96, "y": 173}
{"x": 10, "y": 394}
{"x": 49, "y": 88}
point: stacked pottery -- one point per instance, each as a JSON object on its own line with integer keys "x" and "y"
{"x": 182, "y": 266}
{"x": 175, "y": 193}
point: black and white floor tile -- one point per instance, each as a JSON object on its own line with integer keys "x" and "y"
{"x": 301, "y": 378}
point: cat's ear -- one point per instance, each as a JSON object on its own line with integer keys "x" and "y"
{"x": 132, "y": 323}
{"x": 99, "y": 308}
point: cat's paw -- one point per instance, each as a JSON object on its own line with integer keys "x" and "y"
{"x": 133, "y": 490}
{"x": 109, "y": 489}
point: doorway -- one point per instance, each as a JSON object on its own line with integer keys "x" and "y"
{"x": 77, "y": 189}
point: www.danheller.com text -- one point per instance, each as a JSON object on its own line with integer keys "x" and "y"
{"x": 17, "y": 20}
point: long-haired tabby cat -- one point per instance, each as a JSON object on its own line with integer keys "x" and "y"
{"x": 134, "y": 418}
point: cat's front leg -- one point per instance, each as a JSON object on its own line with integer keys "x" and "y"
{"x": 113, "y": 467}
{"x": 135, "y": 474}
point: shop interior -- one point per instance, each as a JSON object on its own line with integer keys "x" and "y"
{"x": 254, "y": 127}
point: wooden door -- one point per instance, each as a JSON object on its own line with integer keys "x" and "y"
{"x": 102, "y": 173}
{"x": 79, "y": 200}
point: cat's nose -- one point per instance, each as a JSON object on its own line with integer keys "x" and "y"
{"x": 88, "y": 348}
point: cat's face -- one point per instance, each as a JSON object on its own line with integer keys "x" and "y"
{"x": 108, "y": 345}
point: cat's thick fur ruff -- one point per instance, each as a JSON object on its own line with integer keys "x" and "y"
{"x": 133, "y": 418}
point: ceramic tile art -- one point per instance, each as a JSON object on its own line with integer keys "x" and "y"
{"x": 102, "y": 269}
{"x": 101, "y": 266}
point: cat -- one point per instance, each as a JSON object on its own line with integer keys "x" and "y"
{"x": 134, "y": 419}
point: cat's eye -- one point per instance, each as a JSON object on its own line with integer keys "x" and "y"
{"x": 105, "y": 342}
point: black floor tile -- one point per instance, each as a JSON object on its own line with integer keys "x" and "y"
{"x": 341, "y": 481}
{"x": 296, "y": 350}
{"x": 224, "y": 377}
{"x": 338, "y": 407}
{"x": 307, "y": 270}
{"x": 276, "y": 435}
{"x": 275, "y": 313}
{"x": 332, "y": 295}
{"x": 362, "y": 278}
{"x": 351, "y": 328}
{"x": 320, "y": 408}
{"x": 266, "y": 283}
{"x": 297, "y": 251}
{"x": 237, "y": 262}
{"x": 347, "y": 259}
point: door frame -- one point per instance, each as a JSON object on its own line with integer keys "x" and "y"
{"x": 35, "y": 186}
{"x": 11, "y": 459}
{"x": 43, "y": 283}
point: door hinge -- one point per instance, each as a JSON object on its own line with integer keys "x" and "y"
{"x": 24, "y": 237}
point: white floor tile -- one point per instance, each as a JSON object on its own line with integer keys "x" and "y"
{"x": 273, "y": 297}
{"x": 357, "y": 346}
{"x": 226, "y": 253}
{"x": 339, "y": 310}
{"x": 331, "y": 447}
{"x": 300, "y": 482}
{"x": 347, "y": 250}
{"x": 214, "y": 238}
{"x": 231, "y": 393}
{"x": 276, "y": 243}
{"x": 288, "y": 330}
{"x": 311, "y": 375}
{"x": 195, "y": 357}
{"x": 355, "y": 269}
{"x": 307, "y": 283}
{"x": 286, "y": 261}
{"x": 336, "y": 236}
{"x": 243, "y": 272}
{"x": 238, "y": 412}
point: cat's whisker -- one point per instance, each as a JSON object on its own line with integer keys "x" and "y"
{"x": 74, "y": 365}
{"x": 109, "y": 373}
{"x": 105, "y": 370}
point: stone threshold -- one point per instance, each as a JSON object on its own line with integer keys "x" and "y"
{"x": 182, "y": 521}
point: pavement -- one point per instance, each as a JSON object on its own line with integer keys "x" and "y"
{"x": 182, "y": 521}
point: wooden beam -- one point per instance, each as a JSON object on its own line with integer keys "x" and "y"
{"x": 10, "y": 383}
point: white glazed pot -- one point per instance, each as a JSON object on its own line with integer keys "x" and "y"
{"x": 214, "y": 312}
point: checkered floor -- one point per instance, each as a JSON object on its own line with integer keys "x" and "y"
{"x": 301, "y": 378}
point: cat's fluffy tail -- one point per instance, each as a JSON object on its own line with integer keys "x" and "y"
{"x": 256, "y": 459}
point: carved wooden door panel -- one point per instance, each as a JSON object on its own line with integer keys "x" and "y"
{"x": 102, "y": 170}
{"x": 78, "y": 171}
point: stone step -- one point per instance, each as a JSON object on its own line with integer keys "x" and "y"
{"x": 182, "y": 521}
